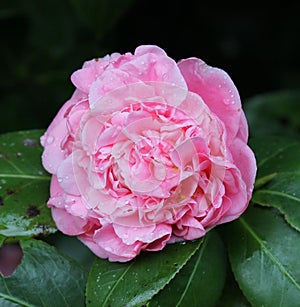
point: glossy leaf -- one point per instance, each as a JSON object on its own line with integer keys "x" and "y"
{"x": 44, "y": 278}
{"x": 283, "y": 192}
{"x": 200, "y": 281}
{"x": 24, "y": 186}
{"x": 264, "y": 254}
{"x": 136, "y": 282}
{"x": 274, "y": 114}
{"x": 278, "y": 178}
{"x": 232, "y": 295}
{"x": 276, "y": 155}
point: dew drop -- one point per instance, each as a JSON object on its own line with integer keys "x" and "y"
{"x": 29, "y": 142}
{"x": 59, "y": 179}
{"x": 50, "y": 139}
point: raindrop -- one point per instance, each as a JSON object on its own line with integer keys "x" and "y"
{"x": 229, "y": 101}
{"x": 59, "y": 179}
{"x": 18, "y": 154}
{"x": 29, "y": 142}
{"x": 50, "y": 139}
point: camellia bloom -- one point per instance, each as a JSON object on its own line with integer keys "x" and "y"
{"x": 147, "y": 152}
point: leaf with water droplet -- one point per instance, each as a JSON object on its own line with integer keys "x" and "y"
{"x": 24, "y": 186}
{"x": 264, "y": 255}
{"x": 136, "y": 282}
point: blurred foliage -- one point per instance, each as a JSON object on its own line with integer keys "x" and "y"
{"x": 43, "y": 42}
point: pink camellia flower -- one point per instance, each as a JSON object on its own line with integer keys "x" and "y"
{"x": 147, "y": 152}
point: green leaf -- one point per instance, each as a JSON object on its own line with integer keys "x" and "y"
{"x": 274, "y": 114}
{"x": 278, "y": 177}
{"x": 264, "y": 254}
{"x": 276, "y": 155}
{"x": 232, "y": 295}
{"x": 136, "y": 282}
{"x": 1, "y": 240}
{"x": 200, "y": 281}
{"x": 44, "y": 278}
{"x": 283, "y": 193}
{"x": 24, "y": 186}
{"x": 73, "y": 247}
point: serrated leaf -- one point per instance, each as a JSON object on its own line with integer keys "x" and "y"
{"x": 274, "y": 114}
{"x": 24, "y": 186}
{"x": 278, "y": 176}
{"x": 44, "y": 278}
{"x": 264, "y": 254}
{"x": 135, "y": 283}
{"x": 200, "y": 281}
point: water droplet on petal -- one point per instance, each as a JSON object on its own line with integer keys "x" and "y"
{"x": 59, "y": 179}
{"x": 50, "y": 139}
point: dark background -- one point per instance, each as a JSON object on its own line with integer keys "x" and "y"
{"x": 43, "y": 42}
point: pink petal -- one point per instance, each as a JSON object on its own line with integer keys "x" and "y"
{"x": 151, "y": 63}
{"x": 244, "y": 159}
{"x": 66, "y": 176}
{"x": 68, "y": 223}
{"x": 217, "y": 90}
{"x": 115, "y": 248}
{"x": 108, "y": 81}
{"x": 149, "y": 234}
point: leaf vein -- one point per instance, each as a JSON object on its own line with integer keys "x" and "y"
{"x": 269, "y": 253}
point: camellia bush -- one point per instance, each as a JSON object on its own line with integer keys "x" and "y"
{"x": 146, "y": 190}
